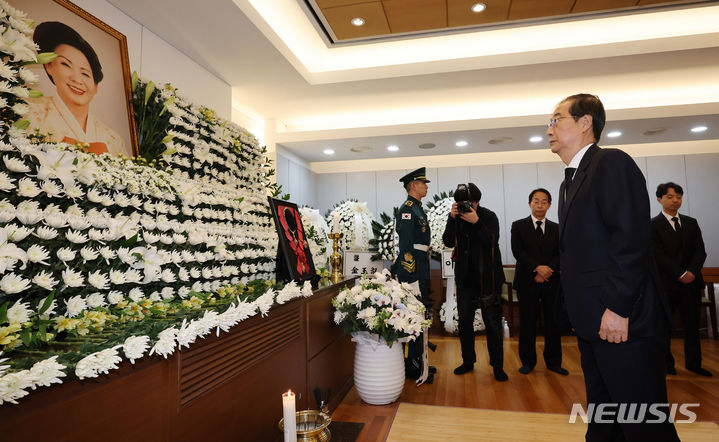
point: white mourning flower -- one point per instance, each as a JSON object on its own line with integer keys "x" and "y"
{"x": 50, "y": 309}
{"x": 75, "y": 306}
{"x": 96, "y": 235}
{"x": 78, "y": 223}
{"x": 98, "y": 280}
{"x": 28, "y": 212}
{"x": 121, "y": 199}
{"x": 74, "y": 192}
{"x": 165, "y": 344}
{"x": 166, "y": 239}
{"x": 15, "y": 165}
{"x": 188, "y": 256}
{"x": 107, "y": 253}
{"x": 76, "y": 237}
{"x": 135, "y": 347}
{"x": 167, "y": 276}
{"x": 115, "y": 296}
{"x": 51, "y": 189}
{"x": 150, "y": 238}
{"x": 195, "y": 273}
{"x": 133, "y": 276}
{"x": 95, "y": 300}
{"x": 46, "y": 233}
{"x": 19, "y": 312}
{"x": 117, "y": 277}
{"x": 27, "y": 188}
{"x": 124, "y": 254}
{"x": 88, "y": 254}
{"x": 47, "y": 372}
{"x": 65, "y": 254}
{"x": 45, "y": 280}
{"x": 57, "y": 221}
{"x": 183, "y": 292}
{"x": 155, "y": 297}
{"x": 6, "y": 183}
{"x": 167, "y": 293}
{"x": 7, "y": 211}
{"x": 183, "y": 274}
{"x": 136, "y": 294}
{"x": 94, "y": 195}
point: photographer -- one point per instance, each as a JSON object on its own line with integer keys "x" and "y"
{"x": 473, "y": 231}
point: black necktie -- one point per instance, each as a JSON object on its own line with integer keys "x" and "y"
{"x": 539, "y": 229}
{"x": 568, "y": 174}
{"x": 677, "y": 226}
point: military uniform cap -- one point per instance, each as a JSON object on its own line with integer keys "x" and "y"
{"x": 415, "y": 175}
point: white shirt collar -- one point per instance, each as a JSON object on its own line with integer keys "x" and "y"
{"x": 534, "y": 222}
{"x": 578, "y": 156}
{"x": 669, "y": 218}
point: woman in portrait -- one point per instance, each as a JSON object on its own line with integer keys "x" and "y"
{"x": 76, "y": 73}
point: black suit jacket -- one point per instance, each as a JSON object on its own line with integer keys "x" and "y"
{"x": 675, "y": 254}
{"x": 530, "y": 251}
{"x": 605, "y": 247}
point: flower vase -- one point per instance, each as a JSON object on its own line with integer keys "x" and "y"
{"x": 378, "y": 370}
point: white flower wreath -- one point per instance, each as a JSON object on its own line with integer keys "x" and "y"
{"x": 354, "y": 220}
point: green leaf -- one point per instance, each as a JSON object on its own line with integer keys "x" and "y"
{"x": 35, "y": 93}
{"x": 148, "y": 91}
{"x": 47, "y": 303}
{"x": 3, "y": 313}
{"x": 26, "y": 337}
{"x": 134, "y": 80}
{"x": 22, "y": 124}
{"x": 46, "y": 57}
{"x": 131, "y": 242}
{"x": 42, "y": 332}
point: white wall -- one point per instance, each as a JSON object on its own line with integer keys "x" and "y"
{"x": 505, "y": 189}
{"x": 154, "y": 59}
{"x": 296, "y": 178}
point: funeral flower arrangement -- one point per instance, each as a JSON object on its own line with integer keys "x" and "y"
{"x": 437, "y": 214}
{"x": 316, "y": 231}
{"x": 450, "y": 318}
{"x": 354, "y": 220}
{"x": 385, "y": 242}
{"x": 381, "y": 306}
{"x": 105, "y": 259}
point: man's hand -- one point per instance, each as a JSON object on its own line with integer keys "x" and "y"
{"x": 687, "y": 278}
{"x": 614, "y": 328}
{"x": 538, "y": 279}
{"x": 544, "y": 271}
{"x": 454, "y": 211}
{"x": 471, "y": 216}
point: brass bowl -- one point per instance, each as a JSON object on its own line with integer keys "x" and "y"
{"x": 311, "y": 426}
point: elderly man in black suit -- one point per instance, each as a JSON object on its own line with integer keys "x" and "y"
{"x": 609, "y": 279}
{"x": 535, "y": 245}
{"x": 680, "y": 255}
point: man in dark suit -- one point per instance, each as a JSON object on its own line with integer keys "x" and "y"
{"x": 535, "y": 245}
{"x": 608, "y": 277}
{"x": 680, "y": 255}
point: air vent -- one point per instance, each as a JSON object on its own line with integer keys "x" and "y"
{"x": 427, "y": 146}
{"x": 360, "y": 149}
{"x": 655, "y": 131}
{"x": 500, "y": 140}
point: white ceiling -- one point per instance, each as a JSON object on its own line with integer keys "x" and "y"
{"x": 654, "y": 81}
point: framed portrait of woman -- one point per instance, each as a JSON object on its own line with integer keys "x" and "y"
{"x": 87, "y": 96}
{"x": 294, "y": 259}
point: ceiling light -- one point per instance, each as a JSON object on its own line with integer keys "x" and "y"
{"x": 357, "y": 21}
{"x": 614, "y": 134}
{"x": 461, "y": 143}
{"x": 427, "y": 146}
{"x": 697, "y": 129}
{"x": 478, "y": 7}
{"x": 328, "y": 151}
{"x": 393, "y": 148}
{"x": 535, "y": 139}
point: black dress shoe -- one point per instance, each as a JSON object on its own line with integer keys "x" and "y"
{"x": 560, "y": 370}
{"x": 500, "y": 375}
{"x": 464, "y": 368}
{"x": 671, "y": 370}
{"x": 700, "y": 371}
{"x": 525, "y": 370}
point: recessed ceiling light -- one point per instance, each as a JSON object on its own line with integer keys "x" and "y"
{"x": 478, "y": 7}
{"x": 697, "y": 129}
{"x": 328, "y": 151}
{"x": 461, "y": 143}
{"x": 500, "y": 140}
{"x": 357, "y": 21}
{"x": 614, "y": 134}
{"x": 427, "y": 146}
{"x": 535, "y": 139}
{"x": 393, "y": 148}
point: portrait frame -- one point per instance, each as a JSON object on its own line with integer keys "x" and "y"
{"x": 294, "y": 259}
{"x": 112, "y": 105}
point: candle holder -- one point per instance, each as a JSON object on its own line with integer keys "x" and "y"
{"x": 335, "y": 258}
{"x": 311, "y": 426}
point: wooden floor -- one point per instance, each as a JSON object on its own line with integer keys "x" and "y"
{"x": 540, "y": 391}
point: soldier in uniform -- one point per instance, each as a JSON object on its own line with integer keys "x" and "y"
{"x": 412, "y": 263}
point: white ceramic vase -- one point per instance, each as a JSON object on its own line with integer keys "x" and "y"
{"x": 379, "y": 369}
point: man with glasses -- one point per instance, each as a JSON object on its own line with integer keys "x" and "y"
{"x": 609, "y": 279}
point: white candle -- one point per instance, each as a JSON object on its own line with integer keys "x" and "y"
{"x": 336, "y": 223}
{"x": 288, "y": 414}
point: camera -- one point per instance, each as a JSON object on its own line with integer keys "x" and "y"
{"x": 462, "y": 197}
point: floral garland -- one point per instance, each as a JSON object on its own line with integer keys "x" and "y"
{"x": 450, "y": 323}
{"x": 437, "y": 214}
{"x": 93, "y": 247}
{"x": 354, "y": 220}
{"x": 316, "y": 231}
{"x": 385, "y": 241}
{"x": 382, "y": 306}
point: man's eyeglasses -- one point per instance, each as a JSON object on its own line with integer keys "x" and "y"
{"x": 554, "y": 121}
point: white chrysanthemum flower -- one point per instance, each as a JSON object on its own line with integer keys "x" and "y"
{"x": 86, "y": 367}
{"x": 78, "y": 223}
{"x": 95, "y": 300}
{"x": 27, "y": 188}
{"x": 135, "y": 347}
{"x": 165, "y": 344}
{"x": 76, "y": 237}
{"x": 155, "y": 297}
{"x": 98, "y": 280}
{"x": 74, "y": 192}
{"x": 17, "y": 233}
{"x": 6, "y": 183}
{"x": 182, "y": 292}
{"x": 136, "y": 294}
{"x": 7, "y": 211}
{"x": 195, "y": 273}
{"x": 47, "y": 372}
{"x": 45, "y": 280}
{"x": 88, "y": 254}
{"x": 97, "y": 235}
{"x": 15, "y": 165}
{"x": 51, "y": 189}
{"x": 38, "y": 254}
{"x": 50, "y": 309}
{"x": 46, "y": 233}
{"x": 72, "y": 278}
{"x": 57, "y": 221}
{"x": 65, "y": 254}
{"x": 117, "y": 277}
{"x": 74, "y": 306}
{"x": 167, "y": 293}
{"x": 115, "y": 296}
{"x": 107, "y": 253}
{"x": 12, "y": 283}
{"x": 19, "y": 312}
{"x": 133, "y": 276}
{"x": 167, "y": 276}
{"x": 94, "y": 195}
{"x": 13, "y": 386}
